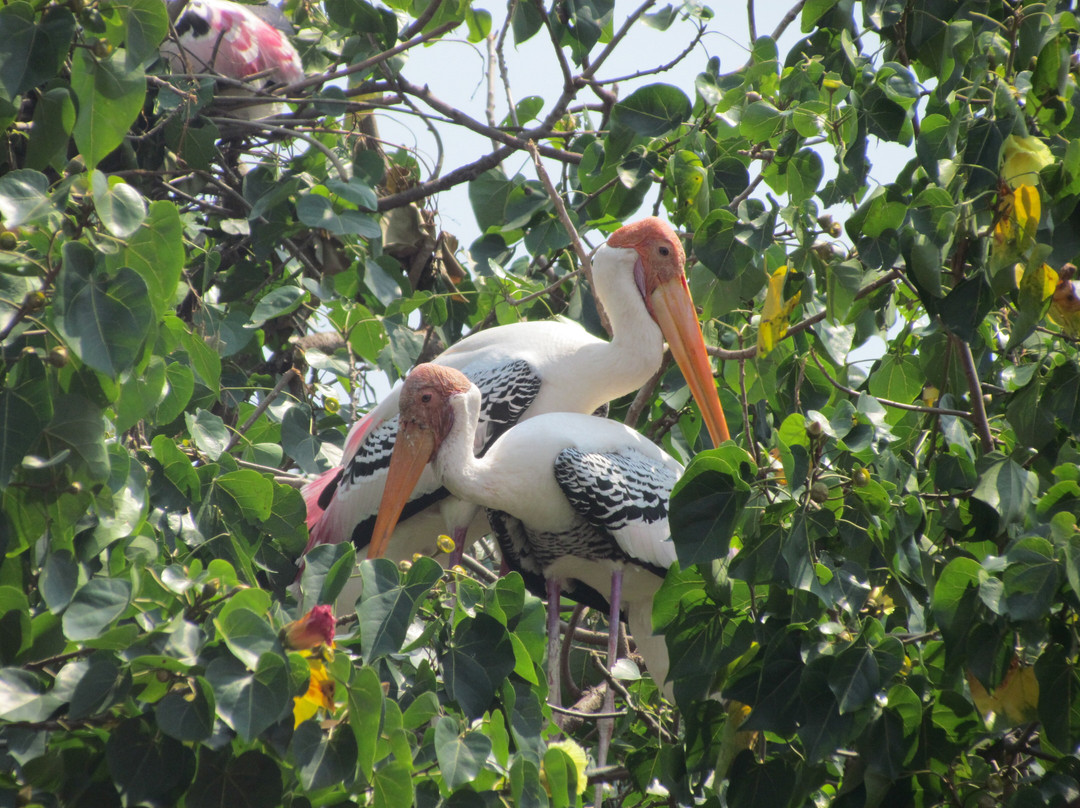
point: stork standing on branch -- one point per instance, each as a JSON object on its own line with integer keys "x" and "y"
{"x": 574, "y": 499}
{"x": 523, "y": 370}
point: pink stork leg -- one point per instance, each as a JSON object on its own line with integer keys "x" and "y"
{"x": 554, "y": 592}
{"x": 458, "y": 534}
{"x": 607, "y": 725}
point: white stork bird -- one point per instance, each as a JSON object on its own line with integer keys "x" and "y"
{"x": 236, "y": 41}
{"x": 572, "y": 498}
{"x": 523, "y": 370}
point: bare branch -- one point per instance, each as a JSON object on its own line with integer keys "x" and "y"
{"x": 900, "y": 405}
{"x": 571, "y": 231}
{"x": 978, "y": 409}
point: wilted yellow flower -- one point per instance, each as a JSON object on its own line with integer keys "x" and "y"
{"x": 775, "y": 314}
{"x": 312, "y": 630}
{"x": 733, "y": 740}
{"x": 1018, "y": 217}
{"x": 1022, "y": 158}
{"x": 930, "y": 395}
{"x": 320, "y": 693}
{"x": 1065, "y": 307}
{"x": 1015, "y": 701}
{"x": 580, "y": 761}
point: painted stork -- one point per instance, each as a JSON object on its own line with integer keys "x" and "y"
{"x": 523, "y": 370}
{"x": 236, "y": 41}
{"x": 573, "y": 499}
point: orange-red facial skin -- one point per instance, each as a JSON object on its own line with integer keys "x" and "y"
{"x": 658, "y": 247}
{"x": 425, "y": 422}
{"x": 423, "y": 400}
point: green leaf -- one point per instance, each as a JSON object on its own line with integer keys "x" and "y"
{"x": 14, "y": 623}
{"x": 177, "y": 467}
{"x": 283, "y": 300}
{"x": 393, "y": 785}
{"x": 147, "y": 23}
{"x": 24, "y": 197}
{"x": 97, "y": 604}
{"x": 387, "y": 605}
{"x": 1031, "y": 579}
{"x": 187, "y": 716}
{"x": 140, "y": 394}
{"x": 249, "y": 780}
{"x": 156, "y": 251}
{"x": 208, "y": 432}
{"x": 707, "y": 502}
{"x": 250, "y": 491}
{"x": 23, "y": 696}
{"x": 897, "y": 378}
{"x": 77, "y": 426}
{"x": 1007, "y": 488}
{"x": 322, "y": 763}
{"x": 250, "y": 701}
{"x": 25, "y": 409}
{"x": 32, "y": 53}
{"x": 327, "y": 568}
{"x": 460, "y": 756}
{"x": 652, "y": 110}
{"x": 248, "y": 636}
{"x": 105, "y": 320}
{"x": 54, "y": 118}
{"x": 121, "y": 208}
{"x": 318, "y": 211}
{"x": 365, "y": 697}
{"x": 145, "y": 765}
{"x": 854, "y": 678}
{"x": 59, "y": 577}
{"x": 110, "y": 98}
{"x": 477, "y": 660}
{"x": 180, "y": 383}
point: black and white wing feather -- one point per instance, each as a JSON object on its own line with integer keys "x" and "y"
{"x": 624, "y": 495}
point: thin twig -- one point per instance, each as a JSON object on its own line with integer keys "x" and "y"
{"x": 978, "y": 408}
{"x": 617, "y": 686}
{"x": 586, "y": 716}
{"x": 813, "y": 319}
{"x": 646, "y": 393}
{"x": 378, "y": 58}
{"x": 750, "y": 16}
{"x": 888, "y": 402}
{"x": 575, "y": 240}
{"x": 342, "y": 171}
{"x": 286, "y": 377}
{"x": 744, "y": 400}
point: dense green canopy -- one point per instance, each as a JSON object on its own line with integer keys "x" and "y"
{"x": 879, "y": 573}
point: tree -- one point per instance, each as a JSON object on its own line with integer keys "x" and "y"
{"x": 879, "y": 574}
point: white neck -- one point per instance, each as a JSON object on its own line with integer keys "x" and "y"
{"x": 616, "y": 368}
{"x": 455, "y": 464}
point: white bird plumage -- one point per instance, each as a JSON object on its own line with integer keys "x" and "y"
{"x": 638, "y": 277}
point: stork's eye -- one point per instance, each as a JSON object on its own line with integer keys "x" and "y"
{"x": 664, "y": 251}
{"x": 426, "y": 398}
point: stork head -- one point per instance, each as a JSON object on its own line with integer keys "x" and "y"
{"x": 659, "y": 272}
{"x": 425, "y": 421}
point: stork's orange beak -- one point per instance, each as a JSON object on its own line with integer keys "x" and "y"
{"x": 412, "y": 452}
{"x": 674, "y": 311}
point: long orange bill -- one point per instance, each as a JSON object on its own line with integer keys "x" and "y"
{"x": 674, "y": 310}
{"x": 412, "y": 451}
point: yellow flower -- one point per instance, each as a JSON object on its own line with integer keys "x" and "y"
{"x": 775, "y": 314}
{"x": 320, "y": 693}
{"x": 1022, "y": 158}
{"x": 445, "y": 543}
{"x": 1018, "y": 218}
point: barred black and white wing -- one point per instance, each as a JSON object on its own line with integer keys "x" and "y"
{"x": 623, "y": 495}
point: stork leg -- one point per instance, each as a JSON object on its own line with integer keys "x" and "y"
{"x": 554, "y": 592}
{"x": 458, "y": 534}
{"x": 607, "y": 725}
